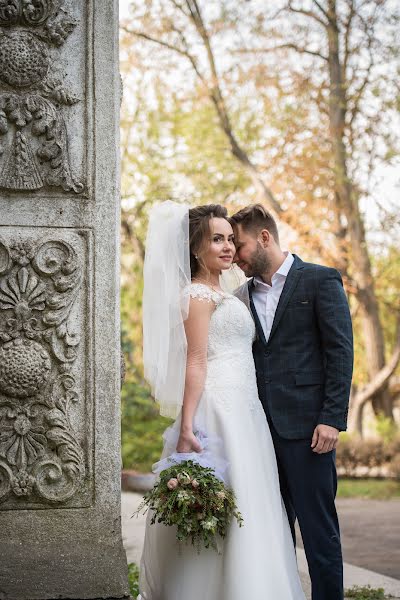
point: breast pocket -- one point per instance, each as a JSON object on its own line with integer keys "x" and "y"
{"x": 300, "y": 314}
{"x": 301, "y": 303}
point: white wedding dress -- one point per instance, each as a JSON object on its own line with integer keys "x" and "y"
{"x": 258, "y": 560}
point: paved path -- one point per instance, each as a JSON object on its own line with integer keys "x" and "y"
{"x": 370, "y": 532}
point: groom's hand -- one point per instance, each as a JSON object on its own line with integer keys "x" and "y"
{"x": 324, "y": 439}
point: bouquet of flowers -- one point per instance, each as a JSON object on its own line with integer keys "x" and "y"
{"x": 193, "y": 499}
{"x": 191, "y": 494}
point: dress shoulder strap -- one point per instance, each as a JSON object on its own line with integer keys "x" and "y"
{"x": 204, "y": 292}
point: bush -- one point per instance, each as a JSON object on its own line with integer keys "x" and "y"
{"x": 394, "y": 467}
{"x": 386, "y": 428}
{"x": 365, "y": 593}
{"x": 142, "y": 428}
{"x": 357, "y": 457}
{"x": 393, "y": 447}
{"x": 133, "y": 580}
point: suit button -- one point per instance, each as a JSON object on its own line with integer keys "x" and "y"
{"x": 267, "y": 381}
{"x": 266, "y": 353}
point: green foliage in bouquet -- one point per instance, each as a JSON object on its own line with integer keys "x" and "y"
{"x": 193, "y": 499}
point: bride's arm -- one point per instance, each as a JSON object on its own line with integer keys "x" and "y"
{"x": 196, "y": 327}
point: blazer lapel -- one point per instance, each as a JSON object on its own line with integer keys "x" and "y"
{"x": 291, "y": 282}
{"x": 259, "y": 329}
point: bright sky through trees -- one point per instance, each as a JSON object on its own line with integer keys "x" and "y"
{"x": 386, "y": 178}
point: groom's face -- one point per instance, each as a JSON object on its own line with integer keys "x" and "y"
{"x": 250, "y": 255}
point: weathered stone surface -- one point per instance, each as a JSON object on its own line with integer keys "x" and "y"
{"x": 44, "y": 99}
{"x": 60, "y": 531}
{"x": 45, "y": 368}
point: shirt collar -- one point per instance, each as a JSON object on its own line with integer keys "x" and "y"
{"x": 287, "y": 263}
{"x": 283, "y": 270}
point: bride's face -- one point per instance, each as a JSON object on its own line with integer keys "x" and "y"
{"x": 220, "y": 248}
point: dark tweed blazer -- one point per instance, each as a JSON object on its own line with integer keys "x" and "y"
{"x": 304, "y": 371}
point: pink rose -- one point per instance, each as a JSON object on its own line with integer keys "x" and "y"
{"x": 195, "y": 484}
{"x": 184, "y": 478}
{"x": 172, "y": 484}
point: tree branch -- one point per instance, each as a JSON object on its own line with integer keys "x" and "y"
{"x": 217, "y": 98}
{"x": 288, "y": 46}
{"x": 347, "y": 34}
{"x": 369, "y": 30}
{"x": 182, "y": 52}
{"x": 149, "y": 38}
{"x": 357, "y": 96}
{"x": 321, "y": 8}
{"x": 308, "y": 13}
{"x": 382, "y": 377}
{"x": 180, "y": 7}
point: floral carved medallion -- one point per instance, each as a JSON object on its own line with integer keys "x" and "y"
{"x": 41, "y": 459}
{"x": 34, "y": 152}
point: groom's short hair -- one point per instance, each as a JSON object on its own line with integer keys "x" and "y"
{"x": 253, "y": 219}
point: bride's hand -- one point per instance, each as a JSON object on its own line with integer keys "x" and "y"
{"x": 188, "y": 442}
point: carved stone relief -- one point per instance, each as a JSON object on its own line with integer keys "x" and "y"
{"x": 34, "y": 152}
{"x": 42, "y": 459}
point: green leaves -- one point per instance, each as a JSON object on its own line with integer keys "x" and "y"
{"x": 191, "y": 498}
{"x": 365, "y": 593}
{"x": 133, "y": 580}
{"x": 142, "y": 428}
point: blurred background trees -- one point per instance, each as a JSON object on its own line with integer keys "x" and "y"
{"x": 295, "y": 105}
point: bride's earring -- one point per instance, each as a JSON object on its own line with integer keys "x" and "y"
{"x": 196, "y": 257}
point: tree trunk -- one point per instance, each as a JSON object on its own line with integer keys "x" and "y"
{"x": 348, "y": 206}
{"x": 355, "y": 420}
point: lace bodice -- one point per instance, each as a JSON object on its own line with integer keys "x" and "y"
{"x": 230, "y": 338}
{"x": 231, "y": 327}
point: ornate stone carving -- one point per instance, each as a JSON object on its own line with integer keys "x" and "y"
{"x": 5, "y": 258}
{"x": 20, "y": 171}
{"x": 40, "y": 456}
{"x": 24, "y": 367}
{"x": 31, "y": 103}
{"x": 24, "y": 59}
{"x": 25, "y": 12}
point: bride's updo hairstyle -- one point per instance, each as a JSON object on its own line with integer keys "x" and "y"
{"x": 199, "y": 231}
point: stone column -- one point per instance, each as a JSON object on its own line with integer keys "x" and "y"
{"x": 60, "y": 532}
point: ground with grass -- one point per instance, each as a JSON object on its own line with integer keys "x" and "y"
{"x": 375, "y": 489}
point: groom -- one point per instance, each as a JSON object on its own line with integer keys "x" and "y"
{"x": 303, "y": 355}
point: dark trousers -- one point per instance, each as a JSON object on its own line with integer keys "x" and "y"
{"x": 308, "y": 485}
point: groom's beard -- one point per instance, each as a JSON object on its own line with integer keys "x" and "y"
{"x": 259, "y": 262}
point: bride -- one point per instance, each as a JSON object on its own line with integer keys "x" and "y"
{"x": 198, "y": 359}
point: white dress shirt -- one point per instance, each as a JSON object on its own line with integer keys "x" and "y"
{"x": 266, "y": 297}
